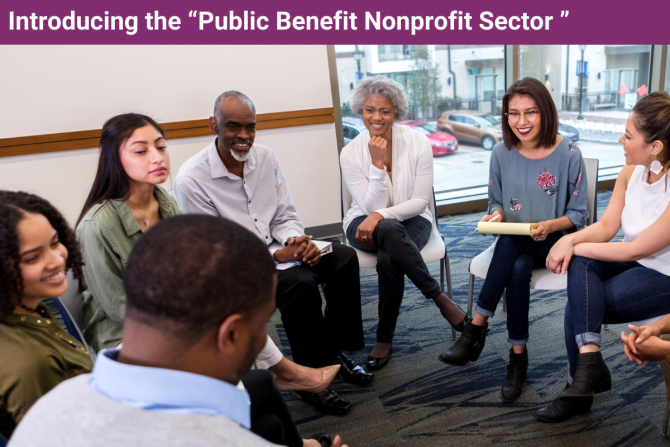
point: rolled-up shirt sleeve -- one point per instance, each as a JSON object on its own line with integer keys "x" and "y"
{"x": 495, "y": 185}
{"x": 369, "y": 191}
{"x": 285, "y": 223}
{"x": 577, "y": 207}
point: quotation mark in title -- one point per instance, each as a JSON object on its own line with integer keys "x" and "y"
{"x": 565, "y": 13}
{"x": 195, "y": 13}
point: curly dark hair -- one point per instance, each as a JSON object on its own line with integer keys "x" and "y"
{"x": 13, "y": 208}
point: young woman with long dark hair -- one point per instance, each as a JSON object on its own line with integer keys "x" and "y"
{"x": 617, "y": 282}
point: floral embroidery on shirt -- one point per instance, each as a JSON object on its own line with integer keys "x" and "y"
{"x": 489, "y": 180}
{"x": 576, "y": 184}
{"x": 573, "y": 147}
{"x": 515, "y": 205}
{"x": 547, "y": 181}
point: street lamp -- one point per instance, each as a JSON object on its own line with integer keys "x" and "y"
{"x": 581, "y": 76}
{"x": 358, "y": 55}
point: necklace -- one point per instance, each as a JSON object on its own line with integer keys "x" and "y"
{"x": 24, "y": 307}
{"x": 146, "y": 219}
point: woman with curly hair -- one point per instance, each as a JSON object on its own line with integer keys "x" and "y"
{"x": 389, "y": 172}
{"x": 37, "y": 248}
{"x": 535, "y": 175}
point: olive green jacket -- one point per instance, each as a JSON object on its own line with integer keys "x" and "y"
{"x": 107, "y": 234}
{"x": 36, "y": 354}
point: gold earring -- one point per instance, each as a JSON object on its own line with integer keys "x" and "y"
{"x": 656, "y": 165}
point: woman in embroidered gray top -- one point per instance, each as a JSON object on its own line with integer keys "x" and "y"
{"x": 535, "y": 176}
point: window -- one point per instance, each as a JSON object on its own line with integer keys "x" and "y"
{"x": 439, "y": 80}
{"x": 594, "y": 107}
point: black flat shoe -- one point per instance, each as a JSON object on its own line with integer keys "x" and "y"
{"x": 468, "y": 347}
{"x": 326, "y": 402}
{"x": 560, "y": 410}
{"x": 375, "y": 363}
{"x": 323, "y": 439}
{"x": 351, "y": 372}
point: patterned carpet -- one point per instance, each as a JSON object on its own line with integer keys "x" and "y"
{"x": 418, "y": 401}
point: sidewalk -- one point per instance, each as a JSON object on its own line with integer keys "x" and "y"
{"x": 603, "y": 127}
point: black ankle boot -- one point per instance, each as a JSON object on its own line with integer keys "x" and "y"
{"x": 591, "y": 377}
{"x": 559, "y": 410}
{"x": 468, "y": 347}
{"x": 516, "y": 374}
{"x": 460, "y": 326}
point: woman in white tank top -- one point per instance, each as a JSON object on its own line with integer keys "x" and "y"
{"x": 618, "y": 282}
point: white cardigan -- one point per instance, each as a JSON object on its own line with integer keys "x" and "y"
{"x": 372, "y": 190}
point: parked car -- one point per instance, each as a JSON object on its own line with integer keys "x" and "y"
{"x": 471, "y": 126}
{"x": 442, "y": 142}
{"x": 568, "y": 132}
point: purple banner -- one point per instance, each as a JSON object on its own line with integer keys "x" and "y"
{"x": 216, "y": 22}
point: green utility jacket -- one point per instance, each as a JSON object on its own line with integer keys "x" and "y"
{"x": 107, "y": 235}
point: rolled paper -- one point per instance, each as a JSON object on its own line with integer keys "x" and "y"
{"x": 522, "y": 229}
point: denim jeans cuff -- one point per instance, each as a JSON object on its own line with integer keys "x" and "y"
{"x": 484, "y": 312}
{"x": 586, "y": 338}
{"x": 518, "y": 342}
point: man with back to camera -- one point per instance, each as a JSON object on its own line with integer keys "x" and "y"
{"x": 191, "y": 333}
{"x": 241, "y": 181}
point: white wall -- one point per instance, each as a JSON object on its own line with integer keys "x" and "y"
{"x": 51, "y": 89}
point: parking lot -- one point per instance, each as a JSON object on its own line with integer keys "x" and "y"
{"x": 457, "y": 173}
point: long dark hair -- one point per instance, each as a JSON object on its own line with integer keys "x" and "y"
{"x": 13, "y": 209}
{"x": 652, "y": 120}
{"x": 548, "y": 114}
{"x": 111, "y": 181}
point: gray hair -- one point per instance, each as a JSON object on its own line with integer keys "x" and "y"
{"x": 383, "y": 86}
{"x": 237, "y": 96}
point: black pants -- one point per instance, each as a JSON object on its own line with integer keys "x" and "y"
{"x": 316, "y": 337}
{"x": 270, "y": 418}
{"x": 398, "y": 246}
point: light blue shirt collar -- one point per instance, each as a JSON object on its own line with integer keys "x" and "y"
{"x": 168, "y": 391}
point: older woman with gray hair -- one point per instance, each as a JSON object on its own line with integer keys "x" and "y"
{"x": 389, "y": 172}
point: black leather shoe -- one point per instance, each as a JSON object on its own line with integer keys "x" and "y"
{"x": 323, "y": 439}
{"x": 351, "y": 372}
{"x": 460, "y": 326}
{"x": 375, "y": 363}
{"x": 468, "y": 347}
{"x": 559, "y": 410}
{"x": 326, "y": 402}
{"x": 516, "y": 375}
{"x": 591, "y": 377}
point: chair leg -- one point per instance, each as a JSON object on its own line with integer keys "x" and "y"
{"x": 605, "y": 327}
{"x": 471, "y": 292}
{"x": 445, "y": 270}
{"x": 505, "y": 300}
{"x": 665, "y": 422}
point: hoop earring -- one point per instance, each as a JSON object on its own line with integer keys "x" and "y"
{"x": 656, "y": 167}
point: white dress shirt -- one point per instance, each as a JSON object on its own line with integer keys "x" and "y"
{"x": 261, "y": 202}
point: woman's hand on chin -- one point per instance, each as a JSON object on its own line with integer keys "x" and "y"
{"x": 377, "y": 147}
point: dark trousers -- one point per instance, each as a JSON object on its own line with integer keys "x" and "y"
{"x": 270, "y": 418}
{"x": 398, "y": 246}
{"x": 511, "y": 268}
{"x": 316, "y": 337}
{"x": 601, "y": 292}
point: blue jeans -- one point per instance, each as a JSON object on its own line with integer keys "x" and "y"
{"x": 398, "y": 246}
{"x": 601, "y": 292}
{"x": 514, "y": 259}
